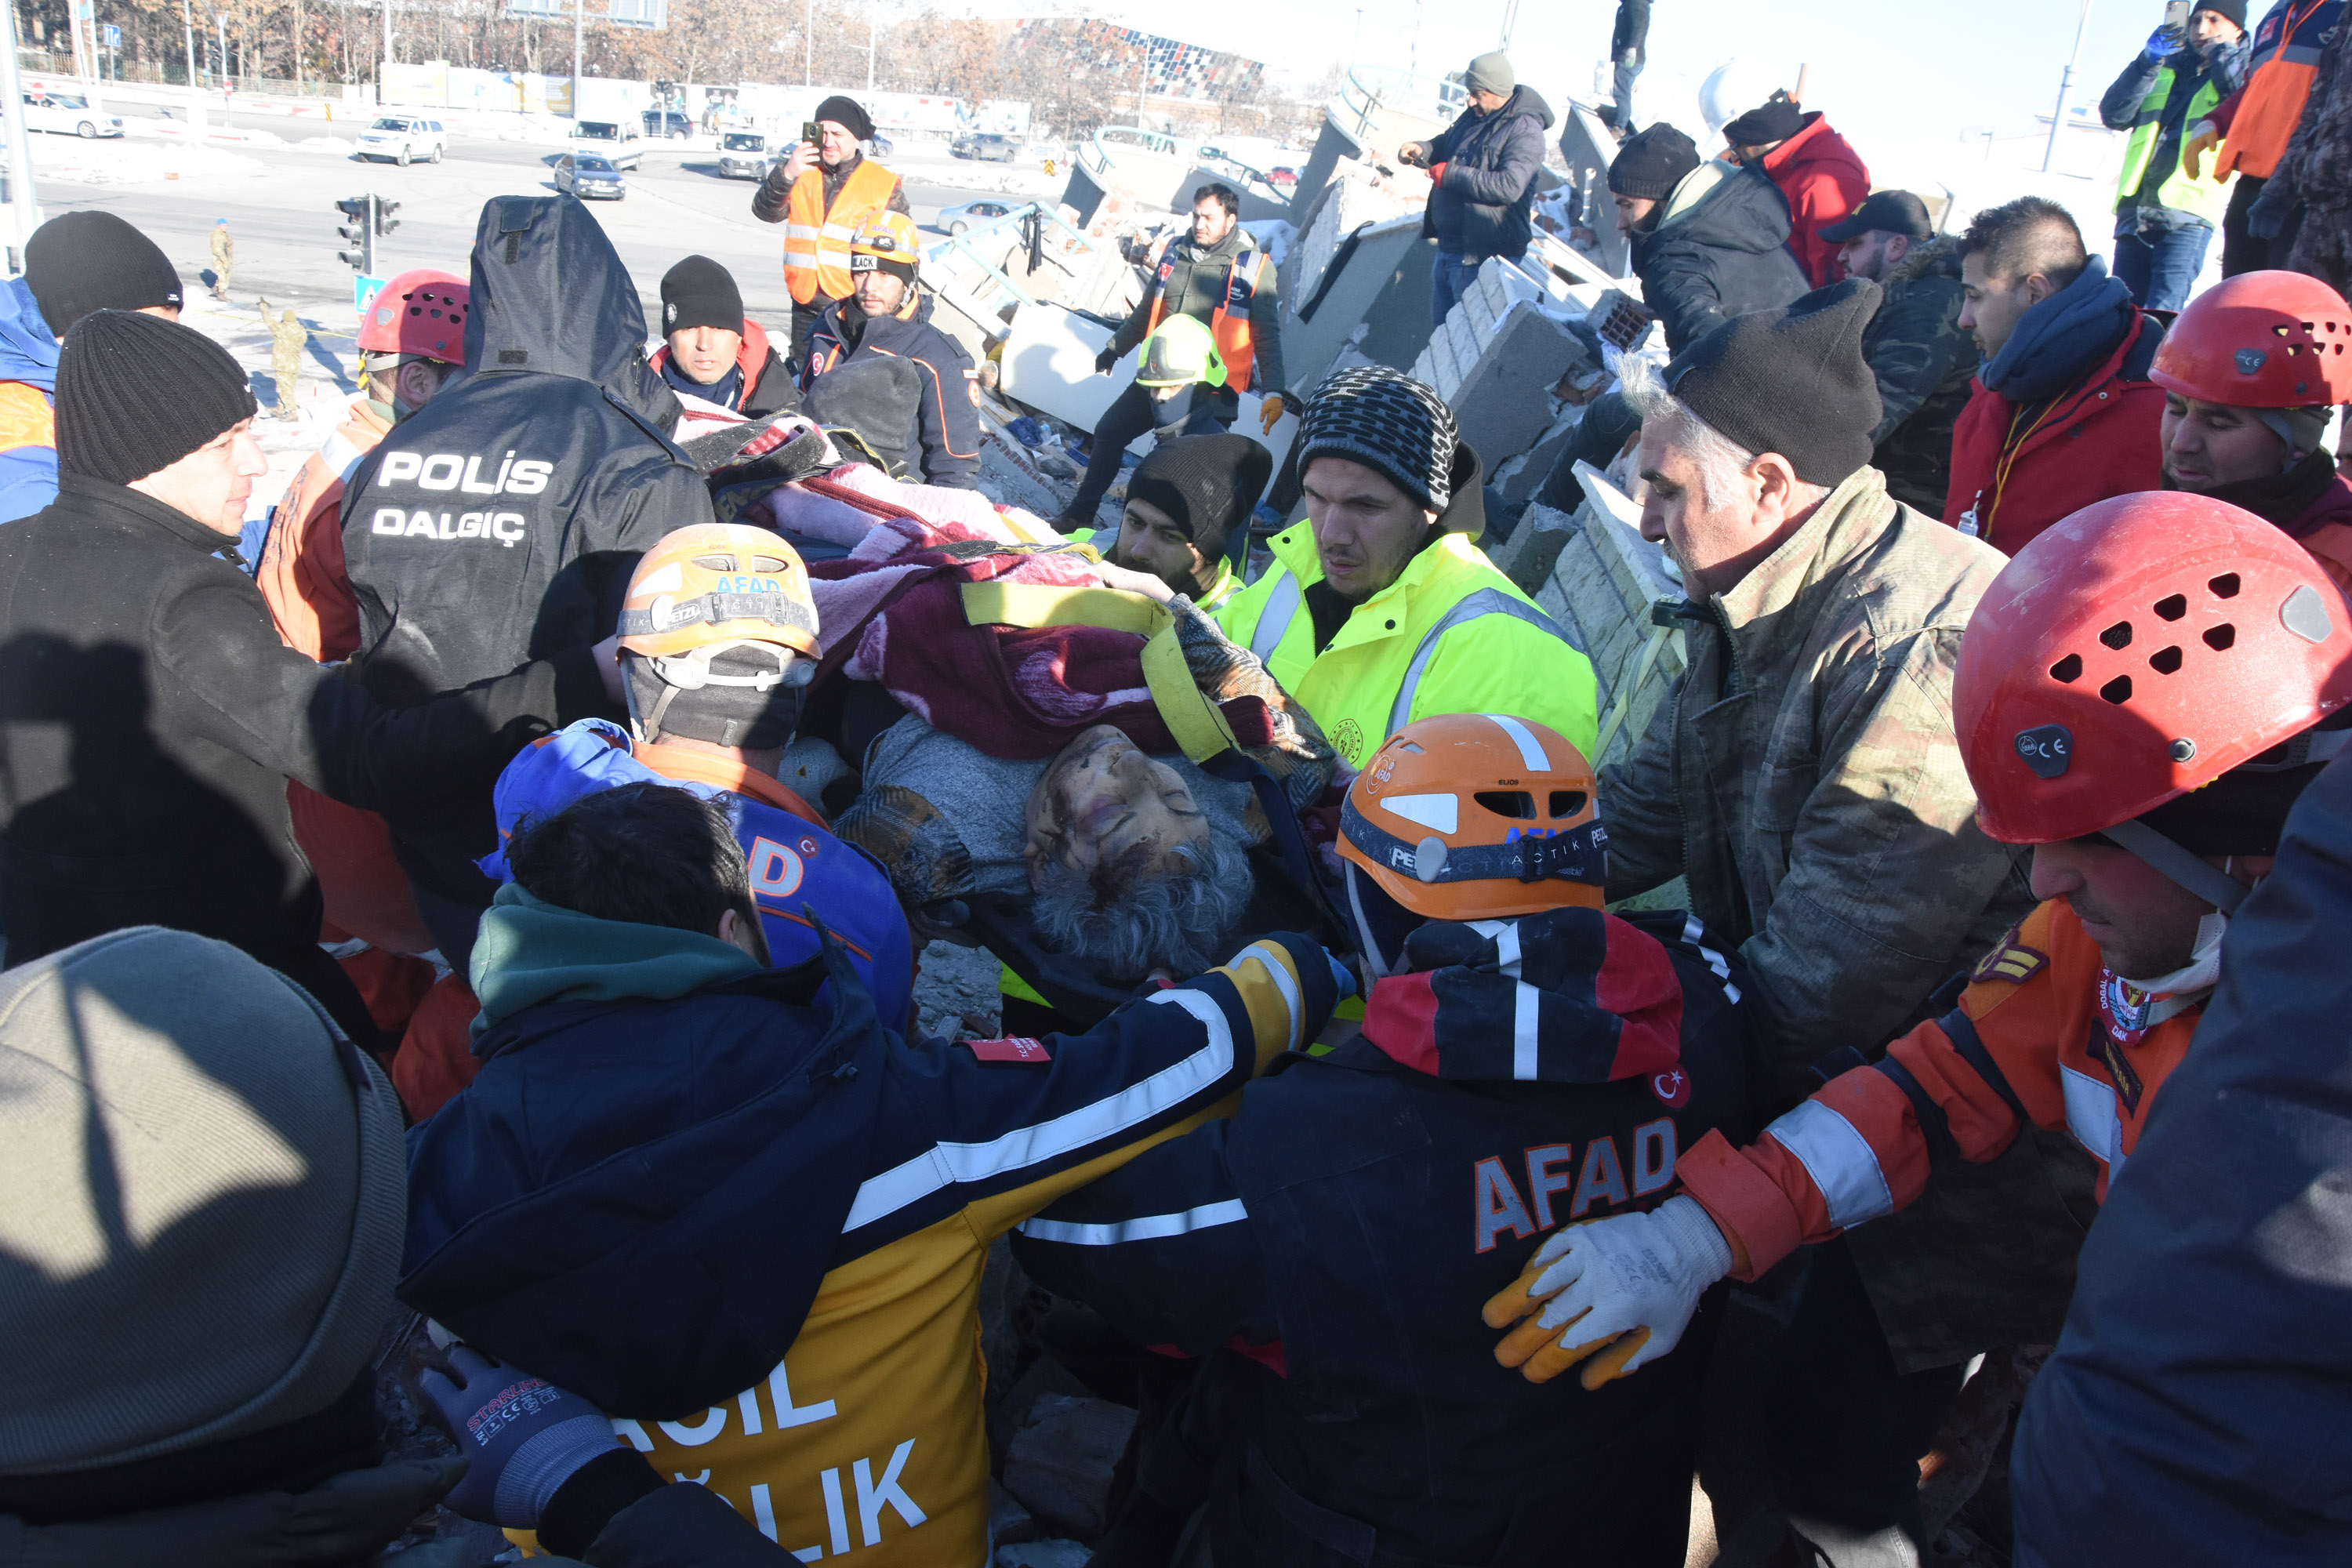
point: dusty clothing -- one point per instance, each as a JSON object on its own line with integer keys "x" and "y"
{"x": 1719, "y": 249}
{"x": 1805, "y": 780}
{"x": 1923, "y": 363}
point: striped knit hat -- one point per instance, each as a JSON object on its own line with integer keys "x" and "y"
{"x": 1386, "y": 420}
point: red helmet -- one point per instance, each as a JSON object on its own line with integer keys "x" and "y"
{"x": 421, "y": 313}
{"x": 2135, "y": 651}
{"x": 2261, "y": 340}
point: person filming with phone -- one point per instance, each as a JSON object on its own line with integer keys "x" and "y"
{"x": 822, "y": 191}
{"x": 2166, "y": 207}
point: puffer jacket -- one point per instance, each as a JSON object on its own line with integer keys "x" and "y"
{"x": 1824, "y": 179}
{"x": 1923, "y": 363}
{"x": 1719, "y": 249}
{"x": 1487, "y": 189}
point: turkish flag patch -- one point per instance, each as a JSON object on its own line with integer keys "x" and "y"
{"x": 1673, "y": 1087}
{"x": 1011, "y": 1049}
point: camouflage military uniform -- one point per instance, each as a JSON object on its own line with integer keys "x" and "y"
{"x": 223, "y": 259}
{"x": 1923, "y": 363}
{"x": 287, "y": 338}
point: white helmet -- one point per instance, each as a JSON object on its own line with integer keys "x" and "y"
{"x": 1736, "y": 86}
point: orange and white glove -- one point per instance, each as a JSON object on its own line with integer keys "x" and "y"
{"x": 1624, "y": 1287}
{"x": 2201, "y": 139}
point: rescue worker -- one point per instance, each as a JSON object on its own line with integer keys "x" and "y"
{"x": 2062, "y": 413}
{"x": 1188, "y": 509}
{"x": 1379, "y": 608}
{"x": 751, "y": 1224}
{"x": 2152, "y": 806}
{"x": 2165, "y": 215}
{"x": 1217, "y": 274}
{"x": 504, "y": 518}
{"x": 823, "y": 192}
{"x": 224, "y": 250}
{"x": 1815, "y": 168}
{"x": 2250, "y": 386}
{"x": 937, "y": 441}
{"x": 711, "y": 350}
{"x": 2253, "y": 126}
{"x": 1920, "y": 359}
{"x": 1474, "y": 859}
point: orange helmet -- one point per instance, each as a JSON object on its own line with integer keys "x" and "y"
{"x": 1467, "y": 816}
{"x": 718, "y": 583}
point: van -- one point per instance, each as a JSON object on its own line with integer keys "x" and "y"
{"x": 620, "y": 142}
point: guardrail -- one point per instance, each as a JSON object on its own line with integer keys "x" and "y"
{"x": 1367, "y": 90}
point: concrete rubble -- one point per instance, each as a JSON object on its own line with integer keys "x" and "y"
{"x": 1060, "y": 1465}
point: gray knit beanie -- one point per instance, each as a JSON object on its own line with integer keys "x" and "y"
{"x": 1386, "y": 420}
{"x": 136, "y": 394}
{"x": 202, "y": 1198}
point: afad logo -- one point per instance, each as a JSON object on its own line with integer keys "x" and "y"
{"x": 1673, "y": 1087}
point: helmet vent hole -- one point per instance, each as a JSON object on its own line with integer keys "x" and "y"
{"x": 2224, "y": 586}
{"x": 1566, "y": 802}
{"x": 2118, "y": 691}
{"x": 1516, "y": 804}
{"x": 2280, "y": 331}
{"x": 715, "y": 563}
{"x": 2069, "y": 668}
{"x": 2219, "y": 639}
{"x": 2165, "y": 660}
{"x": 2118, "y": 636}
{"x": 768, "y": 563}
{"x": 2172, "y": 608}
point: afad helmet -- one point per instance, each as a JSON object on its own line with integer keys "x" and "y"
{"x": 2261, "y": 340}
{"x": 1179, "y": 351}
{"x": 1466, "y": 817}
{"x": 2145, "y": 647}
{"x": 716, "y": 615}
{"x": 886, "y": 242}
{"x": 420, "y": 313}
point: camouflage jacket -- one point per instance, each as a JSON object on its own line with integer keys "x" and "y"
{"x": 1804, "y": 778}
{"x": 1923, "y": 363}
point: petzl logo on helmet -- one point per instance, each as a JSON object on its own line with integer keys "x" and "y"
{"x": 2047, "y": 749}
{"x": 2251, "y": 362}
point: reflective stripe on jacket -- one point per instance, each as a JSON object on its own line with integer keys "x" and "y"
{"x": 2206, "y": 198}
{"x": 1229, "y": 323}
{"x": 816, "y": 240}
{"x": 1450, "y": 634}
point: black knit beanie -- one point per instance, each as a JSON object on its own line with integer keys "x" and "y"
{"x": 1790, "y": 380}
{"x": 80, "y": 262}
{"x": 844, "y": 111}
{"x": 2235, "y": 10}
{"x": 698, "y": 292}
{"x": 136, "y": 394}
{"x": 1777, "y": 119}
{"x": 1386, "y": 420}
{"x": 1653, "y": 162}
{"x": 1207, "y": 484}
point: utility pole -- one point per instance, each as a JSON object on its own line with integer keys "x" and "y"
{"x": 221, "y": 21}
{"x": 25, "y": 215}
{"x": 2065, "y": 87}
{"x": 196, "y": 95}
{"x": 380, "y": 70}
{"x": 808, "y": 37}
{"x": 298, "y": 47}
{"x": 870, "y": 34}
{"x": 578, "y": 45}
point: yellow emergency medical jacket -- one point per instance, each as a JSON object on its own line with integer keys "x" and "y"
{"x": 1450, "y": 634}
{"x": 817, "y": 241}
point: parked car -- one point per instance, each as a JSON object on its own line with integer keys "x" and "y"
{"x": 403, "y": 138}
{"x": 669, "y": 124}
{"x": 1282, "y": 177}
{"x": 744, "y": 155}
{"x": 589, "y": 176}
{"x": 971, "y": 215}
{"x": 882, "y": 145}
{"x": 986, "y": 146}
{"x": 69, "y": 114}
{"x": 619, "y": 140}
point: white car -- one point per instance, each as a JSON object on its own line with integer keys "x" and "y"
{"x": 621, "y": 142}
{"x": 69, "y": 114}
{"x": 404, "y": 138}
{"x": 973, "y": 214}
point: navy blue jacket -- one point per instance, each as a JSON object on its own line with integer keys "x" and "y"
{"x": 2199, "y": 1407}
{"x": 1363, "y": 1205}
{"x": 1481, "y": 205}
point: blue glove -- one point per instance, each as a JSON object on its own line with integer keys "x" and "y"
{"x": 1343, "y": 975}
{"x": 2165, "y": 42}
{"x": 524, "y": 1436}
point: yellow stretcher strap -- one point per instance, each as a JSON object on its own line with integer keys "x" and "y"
{"x": 1199, "y": 729}
{"x": 1200, "y": 732}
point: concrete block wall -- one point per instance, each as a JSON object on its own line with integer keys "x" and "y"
{"x": 1495, "y": 360}
{"x": 1601, "y": 586}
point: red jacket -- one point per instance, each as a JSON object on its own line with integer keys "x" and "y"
{"x": 1823, "y": 179}
{"x": 2020, "y": 471}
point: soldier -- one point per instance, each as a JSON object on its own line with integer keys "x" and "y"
{"x": 224, "y": 258}
{"x": 288, "y": 339}
{"x": 1918, "y": 357}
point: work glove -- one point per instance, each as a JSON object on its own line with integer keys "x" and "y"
{"x": 524, "y": 1436}
{"x": 1624, "y": 1287}
{"x": 1105, "y": 360}
{"x": 2201, "y": 139}
{"x": 2165, "y": 42}
{"x": 1269, "y": 413}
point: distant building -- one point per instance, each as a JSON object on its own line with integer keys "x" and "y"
{"x": 1171, "y": 70}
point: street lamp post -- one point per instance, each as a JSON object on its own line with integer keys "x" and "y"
{"x": 25, "y": 215}
{"x": 2065, "y": 87}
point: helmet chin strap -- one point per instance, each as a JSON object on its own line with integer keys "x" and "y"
{"x": 2193, "y": 872}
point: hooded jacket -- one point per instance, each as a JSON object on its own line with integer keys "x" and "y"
{"x": 752, "y": 1229}
{"x": 761, "y": 385}
{"x": 29, "y": 390}
{"x": 1823, "y": 179}
{"x": 501, "y": 521}
{"x": 2063, "y": 417}
{"x": 1718, "y": 248}
{"x": 1346, "y": 1225}
{"x": 1486, "y": 190}
{"x": 1923, "y": 363}
{"x": 945, "y": 428}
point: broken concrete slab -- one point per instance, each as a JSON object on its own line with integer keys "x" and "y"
{"x": 1600, "y": 589}
{"x": 1528, "y": 557}
{"x": 1008, "y": 1521}
{"x": 1496, "y": 357}
{"x": 1062, "y": 1462}
{"x": 1589, "y": 148}
{"x": 1049, "y": 363}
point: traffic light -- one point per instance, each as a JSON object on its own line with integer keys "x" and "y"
{"x": 361, "y": 255}
{"x": 385, "y": 222}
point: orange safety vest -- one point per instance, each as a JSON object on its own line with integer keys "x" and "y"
{"x": 816, "y": 242}
{"x": 2271, "y": 105}
{"x": 1229, "y": 323}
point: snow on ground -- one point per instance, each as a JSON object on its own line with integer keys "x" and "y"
{"x": 126, "y": 162}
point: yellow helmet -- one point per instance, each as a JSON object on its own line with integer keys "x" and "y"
{"x": 718, "y": 583}
{"x": 886, "y": 242}
{"x": 1180, "y": 350}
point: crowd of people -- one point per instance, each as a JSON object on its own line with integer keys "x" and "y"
{"x": 463, "y": 932}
